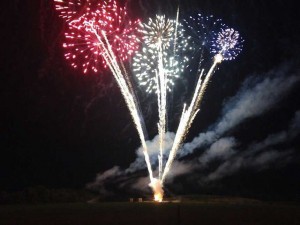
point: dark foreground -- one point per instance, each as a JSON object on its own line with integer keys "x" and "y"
{"x": 185, "y": 213}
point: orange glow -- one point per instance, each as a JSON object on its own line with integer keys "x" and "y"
{"x": 158, "y": 197}
{"x": 157, "y": 189}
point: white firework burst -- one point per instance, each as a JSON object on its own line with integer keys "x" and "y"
{"x": 164, "y": 36}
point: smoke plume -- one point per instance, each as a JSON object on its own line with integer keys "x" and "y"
{"x": 257, "y": 95}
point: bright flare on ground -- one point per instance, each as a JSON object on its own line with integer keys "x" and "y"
{"x": 157, "y": 188}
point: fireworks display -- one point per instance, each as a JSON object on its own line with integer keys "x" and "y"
{"x": 100, "y": 34}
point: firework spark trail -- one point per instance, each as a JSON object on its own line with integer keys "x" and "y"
{"x": 112, "y": 62}
{"x": 188, "y": 117}
{"x": 159, "y": 59}
{"x": 91, "y": 41}
{"x": 226, "y": 46}
{"x": 158, "y": 64}
{"x": 159, "y": 33}
{"x": 162, "y": 107}
{"x": 132, "y": 90}
{"x": 176, "y": 29}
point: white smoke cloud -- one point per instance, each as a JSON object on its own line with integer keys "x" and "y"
{"x": 153, "y": 150}
{"x": 201, "y": 140}
{"x": 138, "y": 164}
{"x": 255, "y": 162}
{"x": 153, "y": 145}
{"x": 255, "y": 98}
{"x": 280, "y": 137}
{"x": 258, "y": 155}
{"x": 221, "y": 149}
{"x": 180, "y": 168}
{"x": 101, "y": 178}
{"x": 255, "y": 101}
{"x": 295, "y": 124}
{"x": 141, "y": 184}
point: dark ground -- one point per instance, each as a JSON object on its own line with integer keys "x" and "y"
{"x": 185, "y": 213}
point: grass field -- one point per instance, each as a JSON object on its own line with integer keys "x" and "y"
{"x": 123, "y": 213}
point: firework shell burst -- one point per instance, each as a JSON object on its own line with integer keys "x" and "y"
{"x": 227, "y": 42}
{"x": 161, "y": 34}
{"x": 158, "y": 32}
{"x": 85, "y": 36}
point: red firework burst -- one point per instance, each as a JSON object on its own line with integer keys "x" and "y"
{"x": 90, "y": 35}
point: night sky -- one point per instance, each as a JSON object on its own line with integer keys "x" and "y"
{"x": 60, "y": 128}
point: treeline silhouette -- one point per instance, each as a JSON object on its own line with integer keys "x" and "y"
{"x": 41, "y": 194}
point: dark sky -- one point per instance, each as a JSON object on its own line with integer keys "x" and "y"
{"x": 60, "y": 128}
